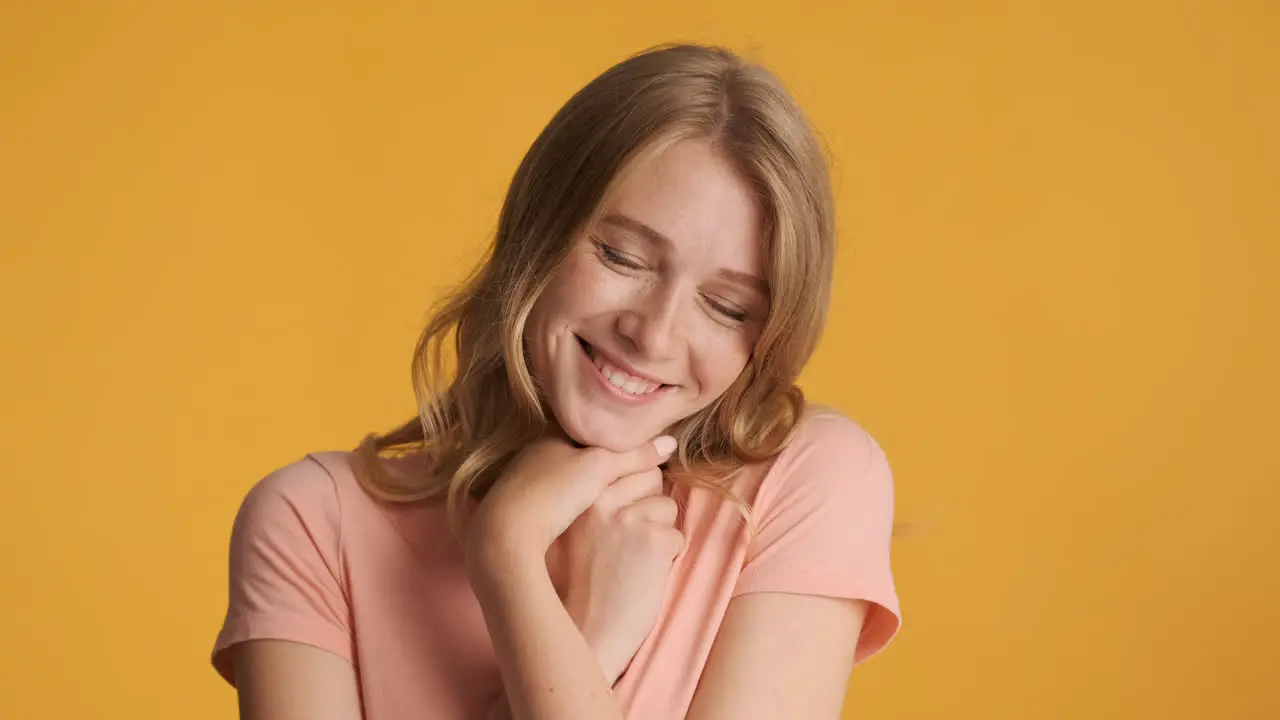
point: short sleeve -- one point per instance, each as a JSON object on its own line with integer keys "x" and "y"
{"x": 285, "y": 566}
{"x": 824, "y": 519}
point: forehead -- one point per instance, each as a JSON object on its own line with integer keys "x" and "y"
{"x": 696, "y": 199}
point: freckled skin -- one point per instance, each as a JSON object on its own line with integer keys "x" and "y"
{"x": 666, "y": 307}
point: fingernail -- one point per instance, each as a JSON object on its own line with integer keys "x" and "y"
{"x": 665, "y": 445}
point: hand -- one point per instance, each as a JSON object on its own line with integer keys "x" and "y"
{"x": 544, "y": 489}
{"x": 614, "y": 563}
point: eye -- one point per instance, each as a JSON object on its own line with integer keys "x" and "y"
{"x": 613, "y": 256}
{"x": 728, "y": 310}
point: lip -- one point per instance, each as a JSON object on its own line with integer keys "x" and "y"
{"x": 615, "y": 390}
{"x": 620, "y": 364}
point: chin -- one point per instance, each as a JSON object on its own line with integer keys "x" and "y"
{"x": 588, "y": 415}
{"x": 607, "y": 433}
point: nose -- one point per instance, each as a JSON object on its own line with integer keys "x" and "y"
{"x": 651, "y": 325}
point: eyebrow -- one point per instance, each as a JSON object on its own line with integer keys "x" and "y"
{"x": 627, "y": 222}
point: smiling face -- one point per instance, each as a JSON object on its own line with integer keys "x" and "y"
{"x": 658, "y": 306}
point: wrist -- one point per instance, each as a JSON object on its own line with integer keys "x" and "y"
{"x": 612, "y": 663}
{"x": 611, "y": 659}
{"x": 496, "y": 563}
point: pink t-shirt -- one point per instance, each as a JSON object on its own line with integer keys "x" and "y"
{"x": 316, "y": 560}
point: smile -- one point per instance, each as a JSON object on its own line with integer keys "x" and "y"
{"x": 620, "y": 381}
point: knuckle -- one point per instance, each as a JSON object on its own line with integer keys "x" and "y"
{"x": 653, "y": 479}
{"x": 660, "y": 535}
{"x": 675, "y": 541}
{"x": 629, "y": 515}
{"x": 607, "y": 500}
{"x": 663, "y": 540}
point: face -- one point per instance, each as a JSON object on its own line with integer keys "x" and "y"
{"x": 659, "y": 305}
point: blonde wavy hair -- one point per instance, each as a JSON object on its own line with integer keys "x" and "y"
{"x": 476, "y": 415}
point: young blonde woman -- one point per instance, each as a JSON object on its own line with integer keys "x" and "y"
{"x": 614, "y": 502}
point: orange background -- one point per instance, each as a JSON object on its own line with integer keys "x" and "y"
{"x": 1058, "y": 310}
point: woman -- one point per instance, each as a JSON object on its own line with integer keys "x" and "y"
{"x": 618, "y": 505}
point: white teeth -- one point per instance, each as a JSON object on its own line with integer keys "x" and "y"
{"x": 624, "y": 382}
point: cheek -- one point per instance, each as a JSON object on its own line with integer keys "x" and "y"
{"x": 581, "y": 283}
{"x": 719, "y": 362}
{"x": 539, "y": 329}
{"x": 576, "y": 286}
{"x": 555, "y": 303}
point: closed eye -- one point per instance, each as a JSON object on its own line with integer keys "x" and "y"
{"x": 613, "y": 256}
{"x": 732, "y": 312}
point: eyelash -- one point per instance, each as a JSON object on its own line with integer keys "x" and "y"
{"x": 737, "y": 316}
{"x": 612, "y": 256}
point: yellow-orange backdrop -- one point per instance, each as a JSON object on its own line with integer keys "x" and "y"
{"x": 1057, "y": 310}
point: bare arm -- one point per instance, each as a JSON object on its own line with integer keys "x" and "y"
{"x": 284, "y": 680}
{"x": 780, "y": 655}
{"x": 548, "y": 669}
{"x": 793, "y": 652}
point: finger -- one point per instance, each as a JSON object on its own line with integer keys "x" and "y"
{"x": 672, "y": 541}
{"x": 658, "y": 509}
{"x": 607, "y": 467}
{"x": 630, "y": 488}
{"x": 647, "y": 456}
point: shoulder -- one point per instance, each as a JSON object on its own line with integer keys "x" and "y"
{"x": 828, "y": 453}
{"x": 829, "y": 431}
{"x": 287, "y": 575}
{"x": 823, "y": 522}
{"x": 318, "y": 498}
{"x": 304, "y": 496}
{"x": 306, "y": 482}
